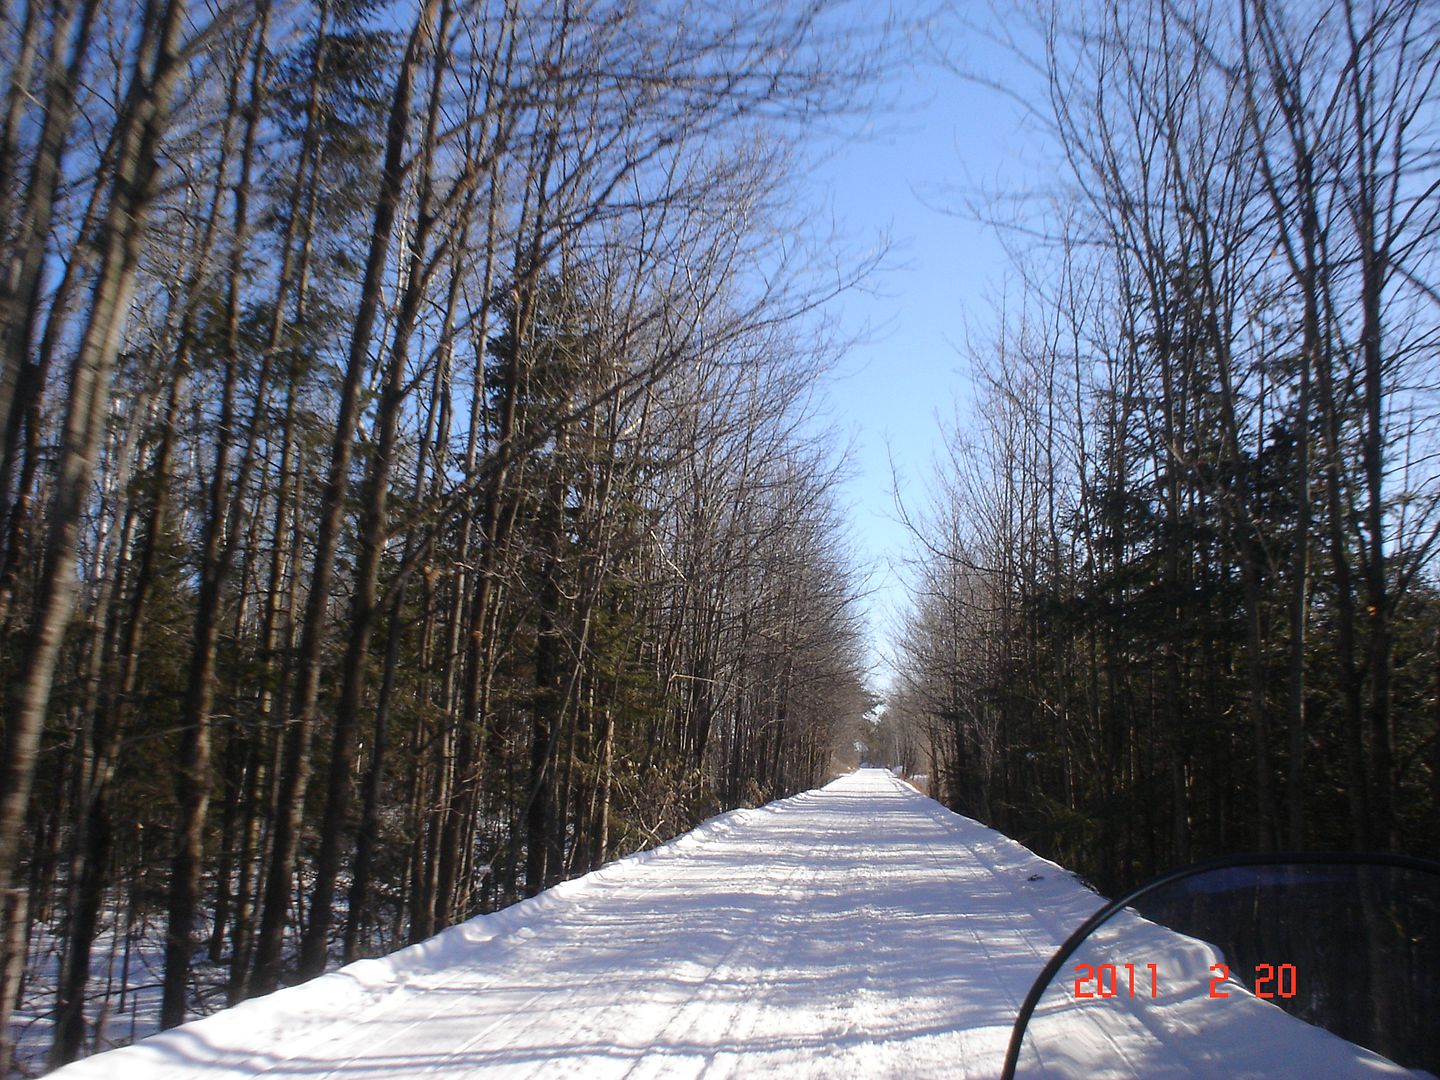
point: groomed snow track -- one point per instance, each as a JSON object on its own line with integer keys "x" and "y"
{"x": 859, "y": 930}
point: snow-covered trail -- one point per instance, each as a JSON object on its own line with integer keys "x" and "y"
{"x": 857, "y": 930}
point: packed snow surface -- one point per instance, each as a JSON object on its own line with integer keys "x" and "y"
{"x": 857, "y": 930}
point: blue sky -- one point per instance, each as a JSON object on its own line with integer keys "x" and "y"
{"x": 898, "y": 176}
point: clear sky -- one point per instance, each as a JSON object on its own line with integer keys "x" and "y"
{"x": 904, "y": 174}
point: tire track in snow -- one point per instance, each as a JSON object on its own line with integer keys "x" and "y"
{"x": 715, "y": 1005}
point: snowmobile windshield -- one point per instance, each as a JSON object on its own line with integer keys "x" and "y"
{"x": 1264, "y": 966}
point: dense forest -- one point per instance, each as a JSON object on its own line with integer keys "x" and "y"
{"x": 1176, "y": 588}
{"x": 411, "y": 486}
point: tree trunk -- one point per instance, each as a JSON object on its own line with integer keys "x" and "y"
{"x": 296, "y": 764}
{"x": 145, "y": 115}
{"x": 220, "y": 542}
{"x": 20, "y": 285}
